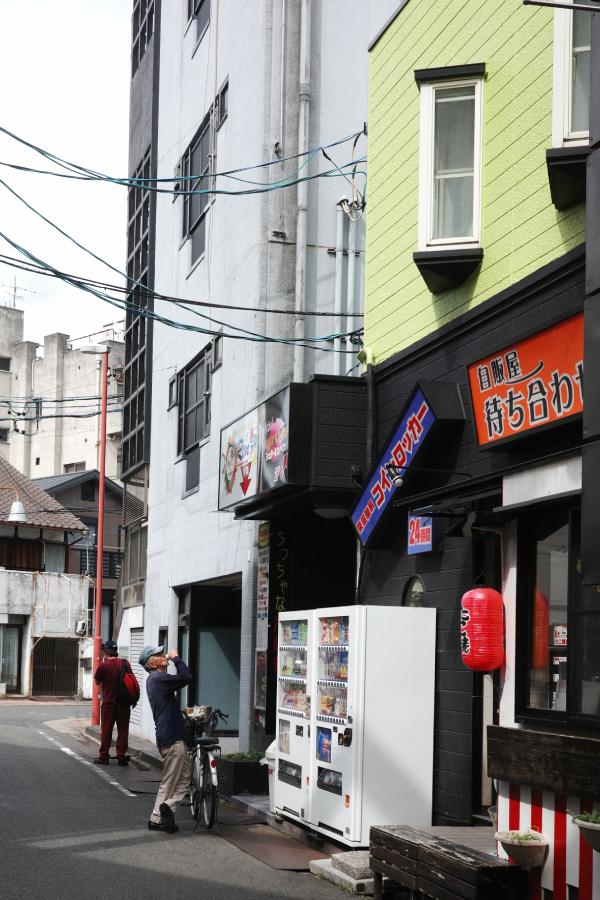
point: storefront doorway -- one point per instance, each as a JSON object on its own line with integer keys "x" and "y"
{"x": 55, "y": 662}
{"x": 10, "y": 657}
{"x": 214, "y": 648}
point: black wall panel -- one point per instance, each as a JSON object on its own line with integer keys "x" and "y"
{"x": 554, "y": 293}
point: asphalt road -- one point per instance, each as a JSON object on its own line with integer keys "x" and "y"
{"x": 68, "y": 833}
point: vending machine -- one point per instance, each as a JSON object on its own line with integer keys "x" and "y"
{"x": 293, "y": 713}
{"x": 355, "y": 735}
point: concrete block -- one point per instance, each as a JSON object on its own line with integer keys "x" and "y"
{"x": 324, "y": 869}
{"x": 354, "y": 863}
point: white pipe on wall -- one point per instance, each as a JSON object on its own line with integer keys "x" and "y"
{"x": 352, "y": 302}
{"x": 302, "y": 202}
{"x": 338, "y": 285}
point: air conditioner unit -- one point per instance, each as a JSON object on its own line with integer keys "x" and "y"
{"x": 81, "y": 627}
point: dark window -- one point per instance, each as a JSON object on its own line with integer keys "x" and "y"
{"x": 88, "y": 490}
{"x": 135, "y": 554}
{"x": 192, "y": 470}
{"x": 136, "y": 326}
{"x": 37, "y": 460}
{"x": 194, "y": 384}
{"x": 163, "y": 637}
{"x": 4, "y": 433}
{"x": 25, "y": 556}
{"x": 69, "y": 468}
{"x": 222, "y": 104}
{"x": 199, "y": 11}
{"x": 172, "y": 392}
{"x": 142, "y": 28}
{"x": 4, "y": 364}
{"x": 195, "y": 167}
{"x": 217, "y": 353}
{"x": 556, "y": 613}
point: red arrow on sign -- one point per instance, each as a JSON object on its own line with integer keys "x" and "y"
{"x": 245, "y": 482}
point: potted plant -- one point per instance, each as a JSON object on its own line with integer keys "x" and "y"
{"x": 527, "y": 849}
{"x": 589, "y": 826}
{"x": 242, "y": 773}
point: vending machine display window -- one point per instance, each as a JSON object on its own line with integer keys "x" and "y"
{"x": 290, "y": 773}
{"x": 324, "y": 738}
{"x": 284, "y": 736}
{"x": 329, "y": 780}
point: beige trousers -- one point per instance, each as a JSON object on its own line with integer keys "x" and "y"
{"x": 175, "y": 781}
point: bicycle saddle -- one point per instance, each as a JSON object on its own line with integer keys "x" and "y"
{"x": 207, "y": 741}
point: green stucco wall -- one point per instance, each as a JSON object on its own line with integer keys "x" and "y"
{"x": 521, "y": 229}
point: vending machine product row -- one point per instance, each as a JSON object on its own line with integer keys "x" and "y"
{"x": 355, "y": 706}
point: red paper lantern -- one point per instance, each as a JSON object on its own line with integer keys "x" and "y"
{"x": 482, "y": 629}
{"x": 540, "y": 651}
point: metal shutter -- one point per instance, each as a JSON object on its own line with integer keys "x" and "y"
{"x": 136, "y": 644}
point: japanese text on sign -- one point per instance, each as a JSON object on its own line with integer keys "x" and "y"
{"x": 420, "y": 534}
{"x": 531, "y": 383}
{"x": 399, "y": 452}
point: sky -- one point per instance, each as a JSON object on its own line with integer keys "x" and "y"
{"x": 64, "y": 86}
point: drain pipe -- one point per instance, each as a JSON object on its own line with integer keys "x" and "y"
{"x": 338, "y": 284}
{"x": 352, "y": 305}
{"x": 302, "y": 201}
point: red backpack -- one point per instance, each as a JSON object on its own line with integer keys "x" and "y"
{"x": 129, "y": 690}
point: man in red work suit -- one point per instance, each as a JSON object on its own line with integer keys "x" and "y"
{"x": 111, "y": 711}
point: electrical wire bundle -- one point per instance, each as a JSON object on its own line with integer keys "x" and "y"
{"x": 106, "y": 292}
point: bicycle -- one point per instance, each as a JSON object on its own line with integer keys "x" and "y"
{"x": 203, "y": 751}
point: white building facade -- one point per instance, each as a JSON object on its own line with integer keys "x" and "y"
{"x": 49, "y": 402}
{"x": 219, "y": 88}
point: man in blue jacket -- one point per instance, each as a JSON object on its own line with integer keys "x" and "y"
{"x": 161, "y": 689}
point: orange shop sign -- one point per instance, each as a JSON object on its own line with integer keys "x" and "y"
{"x": 535, "y": 382}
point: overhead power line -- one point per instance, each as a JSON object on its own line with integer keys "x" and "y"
{"x": 15, "y": 263}
{"x": 146, "y": 313}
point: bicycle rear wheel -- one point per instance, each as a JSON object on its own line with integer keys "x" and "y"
{"x": 209, "y": 795}
{"x": 195, "y": 785}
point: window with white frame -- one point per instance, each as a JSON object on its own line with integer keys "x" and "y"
{"x": 572, "y": 54}
{"x": 450, "y": 163}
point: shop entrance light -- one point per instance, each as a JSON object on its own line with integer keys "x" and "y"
{"x": 397, "y": 473}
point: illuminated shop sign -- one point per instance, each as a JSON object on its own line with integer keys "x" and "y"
{"x": 399, "y": 452}
{"x": 535, "y": 382}
{"x": 254, "y": 452}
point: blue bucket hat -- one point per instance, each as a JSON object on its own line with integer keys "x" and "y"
{"x": 148, "y": 651}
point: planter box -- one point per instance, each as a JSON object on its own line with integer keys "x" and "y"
{"x": 237, "y": 776}
{"x": 590, "y": 831}
{"x": 527, "y": 854}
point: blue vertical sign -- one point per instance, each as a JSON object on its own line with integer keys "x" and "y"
{"x": 399, "y": 452}
{"x": 420, "y": 534}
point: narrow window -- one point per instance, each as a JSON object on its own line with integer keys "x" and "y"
{"x": 199, "y": 11}
{"x": 4, "y": 364}
{"x": 571, "y": 91}
{"x": 580, "y": 72}
{"x": 450, "y": 170}
{"x": 195, "y": 169}
{"x": 453, "y": 172}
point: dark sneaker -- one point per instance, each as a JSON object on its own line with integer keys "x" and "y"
{"x": 167, "y": 819}
{"x": 101, "y": 761}
{"x": 158, "y": 826}
{"x": 122, "y": 762}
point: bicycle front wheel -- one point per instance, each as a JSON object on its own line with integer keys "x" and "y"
{"x": 209, "y": 795}
{"x": 195, "y": 785}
